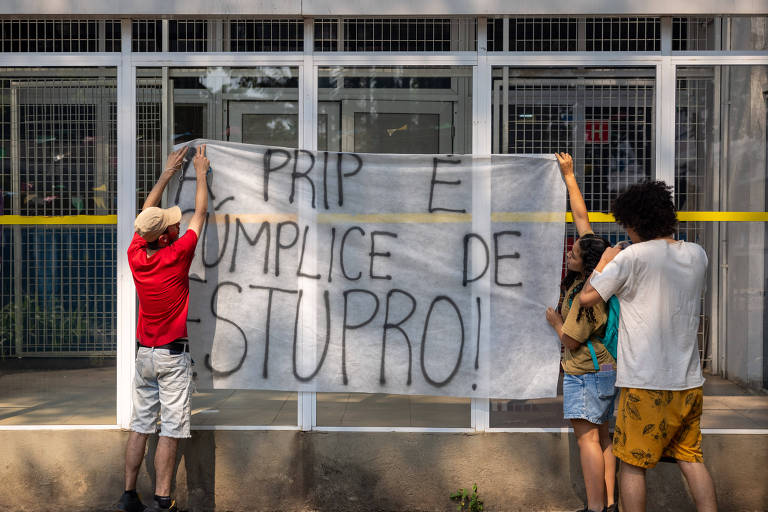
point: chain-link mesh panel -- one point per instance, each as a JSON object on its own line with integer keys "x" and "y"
{"x": 570, "y": 34}
{"x": 248, "y": 35}
{"x": 59, "y": 159}
{"x": 606, "y": 123}
{"x": 147, "y": 36}
{"x": 395, "y": 34}
{"x": 694, "y": 98}
{"x": 68, "y": 276}
{"x": 59, "y": 36}
{"x": 188, "y": 36}
{"x": 66, "y": 160}
{"x": 694, "y": 93}
{"x": 149, "y": 158}
{"x": 693, "y": 34}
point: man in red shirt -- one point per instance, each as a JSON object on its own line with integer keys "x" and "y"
{"x": 160, "y": 261}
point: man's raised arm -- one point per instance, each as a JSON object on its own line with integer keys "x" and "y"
{"x": 172, "y": 165}
{"x": 201, "y": 164}
{"x": 589, "y": 296}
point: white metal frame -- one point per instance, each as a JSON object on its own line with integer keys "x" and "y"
{"x": 307, "y": 62}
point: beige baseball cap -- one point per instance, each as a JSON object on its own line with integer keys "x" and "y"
{"x": 152, "y": 222}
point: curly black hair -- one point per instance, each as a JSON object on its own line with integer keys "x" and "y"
{"x": 592, "y": 248}
{"x": 647, "y": 208}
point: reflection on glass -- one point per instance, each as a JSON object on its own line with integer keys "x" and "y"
{"x": 397, "y": 109}
{"x": 396, "y": 133}
{"x": 57, "y": 282}
{"x": 271, "y": 129}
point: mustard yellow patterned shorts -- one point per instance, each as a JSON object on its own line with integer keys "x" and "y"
{"x": 654, "y": 425}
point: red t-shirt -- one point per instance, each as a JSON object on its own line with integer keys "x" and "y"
{"x": 162, "y": 282}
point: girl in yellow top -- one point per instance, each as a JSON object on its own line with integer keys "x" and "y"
{"x": 588, "y": 392}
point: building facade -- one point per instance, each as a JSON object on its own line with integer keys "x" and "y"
{"x": 93, "y": 98}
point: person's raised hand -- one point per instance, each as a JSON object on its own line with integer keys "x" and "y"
{"x": 176, "y": 159}
{"x": 566, "y": 164}
{"x": 553, "y": 317}
{"x": 200, "y": 161}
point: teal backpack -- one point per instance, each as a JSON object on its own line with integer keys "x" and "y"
{"x": 611, "y": 339}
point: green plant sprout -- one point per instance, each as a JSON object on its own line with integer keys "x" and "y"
{"x": 468, "y": 502}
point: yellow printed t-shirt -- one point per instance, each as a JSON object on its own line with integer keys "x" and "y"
{"x": 579, "y": 361}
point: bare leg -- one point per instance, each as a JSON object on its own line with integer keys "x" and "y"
{"x": 165, "y": 461}
{"x": 606, "y": 444}
{"x": 632, "y": 488}
{"x": 134, "y": 454}
{"x": 592, "y": 462}
{"x": 700, "y": 483}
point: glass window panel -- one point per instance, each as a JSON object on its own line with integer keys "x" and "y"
{"x": 57, "y": 281}
{"x": 728, "y": 104}
{"x": 397, "y": 133}
{"x": 271, "y": 129}
{"x": 571, "y": 34}
{"x": 394, "y": 110}
{"x": 253, "y": 105}
{"x": 604, "y": 118}
{"x": 747, "y": 32}
{"x": 395, "y": 34}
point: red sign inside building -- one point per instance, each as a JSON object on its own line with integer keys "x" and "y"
{"x": 597, "y": 132}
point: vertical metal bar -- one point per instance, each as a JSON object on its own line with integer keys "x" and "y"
{"x": 165, "y": 34}
{"x": 578, "y": 120}
{"x": 495, "y": 136}
{"x": 126, "y": 208}
{"x": 665, "y": 126}
{"x": 16, "y": 208}
{"x": 666, "y": 35}
{"x": 166, "y": 128}
{"x": 722, "y": 243}
{"x": 764, "y": 352}
{"x": 504, "y": 118}
{"x": 101, "y": 102}
{"x": 102, "y": 34}
{"x": 308, "y": 85}
{"x": 481, "y": 188}
{"x": 166, "y": 107}
{"x": 715, "y": 145}
{"x": 340, "y": 36}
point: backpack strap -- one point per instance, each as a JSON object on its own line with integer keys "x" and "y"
{"x": 594, "y": 355}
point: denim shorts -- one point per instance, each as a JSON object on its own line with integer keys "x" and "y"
{"x": 162, "y": 387}
{"x": 590, "y": 396}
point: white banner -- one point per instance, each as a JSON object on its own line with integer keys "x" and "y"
{"x": 406, "y": 274}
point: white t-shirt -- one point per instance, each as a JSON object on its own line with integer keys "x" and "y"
{"x": 659, "y": 287}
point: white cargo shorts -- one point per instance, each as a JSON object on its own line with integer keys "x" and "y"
{"x": 162, "y": 387}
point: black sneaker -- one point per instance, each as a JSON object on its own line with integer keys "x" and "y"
{"x": 129, "y": 502}
{"x": 155, "y": 507}
{"x": 612, "y": 508}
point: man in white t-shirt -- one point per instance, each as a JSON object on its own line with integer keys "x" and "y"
{"x": 658, "y": 281}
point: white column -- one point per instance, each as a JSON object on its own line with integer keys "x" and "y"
{"x": 307, "y": 400}
{"x": 481, "y": 145}
{"x": 665, "y": 121}
{"x": 126, "y": 210}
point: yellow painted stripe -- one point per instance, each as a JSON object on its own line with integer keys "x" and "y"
{"x": 528, "y": 217}
{"x": 392, "y": 218}
{"x": 251, "y": 218}
{"x": 722, "y": 216}
{"x": 64, "y": 219}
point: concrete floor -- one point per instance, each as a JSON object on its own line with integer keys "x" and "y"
{"x": 87, "y": 397}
